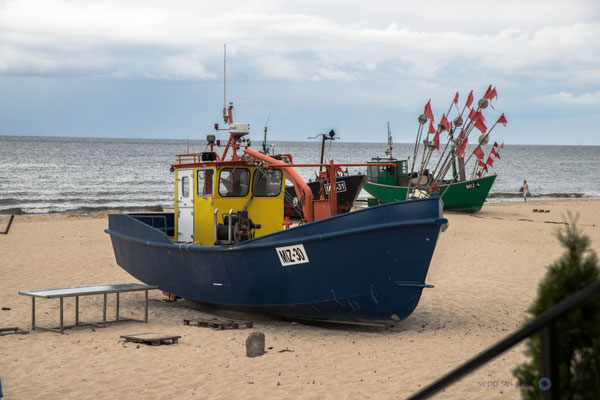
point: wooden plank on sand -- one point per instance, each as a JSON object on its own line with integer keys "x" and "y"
{"x": 219, "y": 324}
{"x": 153, "y": 339}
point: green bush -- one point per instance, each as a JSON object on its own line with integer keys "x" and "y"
{"x": 578, "y": 331}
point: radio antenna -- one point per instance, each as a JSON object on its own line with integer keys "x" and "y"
{"x": 388, "y": 152}
{"x": 265, "y": 140}
{"x": 225, "y": 116}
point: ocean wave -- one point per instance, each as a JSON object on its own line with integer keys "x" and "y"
{"x": 81, "y": 210}
{"x": 29, "y": 202}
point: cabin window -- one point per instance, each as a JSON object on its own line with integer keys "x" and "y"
{"x": 267, "y": 183}
{"x": 386, "y": 170}
{"x": 205, "y": 182}
{"x": 234, "y": 182}
{"x": 372, "y": 170}
{"x": 185, "y": 186}
{"x": 403, "y": 167}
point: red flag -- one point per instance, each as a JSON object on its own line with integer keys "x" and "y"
{"x": 502, "y": 120}
{"x": 478, "y": 152}
{"x": 461, "y": 149}
{"x": 494, "y": 94}
{"x": 428, "y": 111}
{"x": 431, "y": 128}
{"x": 481, "y": 117}
{"x": 482, "y": 165}
{"x": 494, "y": 153}
{"x": 488, "y": 93}
{"x": 445, "y": 122}
{"x": 490, "y": 161}
{"x": 469, "y": 100}
{"x": 495, "y": 144}
{"x": 479, "y": 173}
{"x": 455, "y": 101}
{"x": 474, "y": 115}
{"x": 479, "y": 124}
{"x": 502, "y": 145}
{"x": 436, "y": 140}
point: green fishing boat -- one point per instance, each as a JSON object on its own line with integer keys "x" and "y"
{"x": 390, "y": 179}
{"x": 391, "y": 183}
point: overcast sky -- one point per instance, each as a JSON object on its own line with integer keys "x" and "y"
{"x": 155, "y": 68}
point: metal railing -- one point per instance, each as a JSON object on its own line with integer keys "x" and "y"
{"x": 545, "y": 323}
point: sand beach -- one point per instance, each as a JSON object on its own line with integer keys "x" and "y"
{"x": 486, "y": 269}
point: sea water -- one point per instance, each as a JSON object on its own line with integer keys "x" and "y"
{"x": 58, "y": 174}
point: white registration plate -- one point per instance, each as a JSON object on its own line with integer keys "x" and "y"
{"x": 339, "y": 187}
{"x": 291, "y": 255}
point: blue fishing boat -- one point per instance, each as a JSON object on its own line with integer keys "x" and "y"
{"x": 227, "y": 242}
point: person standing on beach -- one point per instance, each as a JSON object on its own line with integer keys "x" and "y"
{"x": 525, "y": 190}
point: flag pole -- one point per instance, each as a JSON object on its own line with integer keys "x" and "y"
{"x": 481, "y": 105}
{"x": 428, "y": 145}
{"x": 502, "y": 120}
{"x": 464, "y": 134}
{"x": 487, "y": 135}
{"x": 422, "y": 119}
{"x": 474, "y": 168}
{"x": 444, "y": 166}
{"x": 491, "y": 166}
{"x": 458, "y": 122}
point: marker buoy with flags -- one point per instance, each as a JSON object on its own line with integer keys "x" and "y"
{"x": 447, "y": 178}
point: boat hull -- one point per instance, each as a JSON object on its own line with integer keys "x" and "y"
{"x": 370, "y": 264}
{"x": 466, "y": 196}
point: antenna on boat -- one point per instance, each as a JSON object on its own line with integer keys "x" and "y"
{"x": 265, "y": 151}
{"x": 225, "y": 116}
{"x": 388, "y": 152}
{"x": 325, "y": 137}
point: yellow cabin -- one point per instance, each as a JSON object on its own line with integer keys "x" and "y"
{"x": 207, "y": 193}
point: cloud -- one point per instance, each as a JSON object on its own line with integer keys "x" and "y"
{"x": 278, "y": 41}
{"x": 567, "y": 98}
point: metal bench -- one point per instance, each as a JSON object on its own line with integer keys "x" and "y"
{"x": 77, "y": 291}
